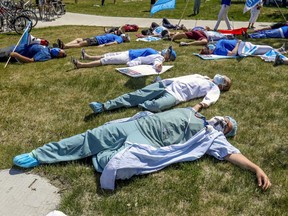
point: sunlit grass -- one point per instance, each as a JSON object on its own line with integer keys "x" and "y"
{"x": 208, "y": 10}
{"x": 42, "y": 102}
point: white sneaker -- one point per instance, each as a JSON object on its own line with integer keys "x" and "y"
{"x": 183, "y": 44}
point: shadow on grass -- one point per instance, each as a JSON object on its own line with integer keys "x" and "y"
{"x": 71, "y": 69}
{"x": 90, "y": 117}
{"x": 136, "y": 83}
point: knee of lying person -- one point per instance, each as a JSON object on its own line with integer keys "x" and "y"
{"x": 151, "y": 106}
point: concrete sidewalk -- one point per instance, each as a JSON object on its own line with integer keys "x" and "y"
{"x": 93, "y": 20}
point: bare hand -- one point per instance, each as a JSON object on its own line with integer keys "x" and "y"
{"x": 263, "y": 180}
{"x": 198, "y": 107}
{"x": 158, "y": 67}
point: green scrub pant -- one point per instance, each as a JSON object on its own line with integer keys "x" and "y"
{"x": 114, "y": 136}
{"x": 152, "y": 97}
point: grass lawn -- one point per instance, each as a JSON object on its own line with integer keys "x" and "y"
{"x": 48, "y": 101}
{"x": 139, "y": 8}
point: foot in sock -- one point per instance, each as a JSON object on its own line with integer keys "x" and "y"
{"x": 97, "y": 107}
{"x": 26, "y": 160}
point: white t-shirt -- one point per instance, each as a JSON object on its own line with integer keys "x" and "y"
{"x": 158, "y": 30}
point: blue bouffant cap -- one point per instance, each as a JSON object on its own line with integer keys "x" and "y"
{"x": 234, "y": 127}
{"x": 172, "y": 52}
{"x": 55, "y": 52}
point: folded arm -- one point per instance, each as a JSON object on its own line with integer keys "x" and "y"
{"x": 234, "y": 52}
{"x": 155, "y": 60}
{"x": 21, "y": 58}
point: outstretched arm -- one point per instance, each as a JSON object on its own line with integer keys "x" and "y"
{"x": 111, "y": 43}
{"x": 242, "y": 161}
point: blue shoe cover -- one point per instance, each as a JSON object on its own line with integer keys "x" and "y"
{"x": 96, "y": 107}
{"x": 25, "y": 160}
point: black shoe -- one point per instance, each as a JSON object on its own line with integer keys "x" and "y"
{"x": 245, "y": 35}
{"x": 60, "y": 44}
{"x": 278, "y": 60}
{"x": 74, "y": 62}
{"x": 83, "y": 53}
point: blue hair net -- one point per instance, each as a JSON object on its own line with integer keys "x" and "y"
{"x": 55, "y": 52}
{"x": 234, "y": 127}
{"x": 172, "y": 56}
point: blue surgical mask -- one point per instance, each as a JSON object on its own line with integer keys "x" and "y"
{"x": 211, "y": 47}
{"x": 219, "y": 79}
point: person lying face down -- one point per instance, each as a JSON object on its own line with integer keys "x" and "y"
{"x": 132, "y": 57}
{"x": 226, "y": 47}
{"x": 27, "y": 53}
{"x": 99, "y": 41}
{"x": 146, "y": 143}
{"x": 167, "y": 93}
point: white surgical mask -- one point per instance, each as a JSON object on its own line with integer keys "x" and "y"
{"x": 218, "y": 122}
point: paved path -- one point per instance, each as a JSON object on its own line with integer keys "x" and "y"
{"x": 23, "y": 193}
{"x": 92, "y": 20}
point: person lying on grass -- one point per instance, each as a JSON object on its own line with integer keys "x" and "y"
{"x": 99, "y": 41}
{"x": 167, "y": 93}
{"x": 281, "y": 32}
{"x": 200, "y": 35}
{"x": 27, "y": 53}
{"x": 147, "y": 143}
{"x": 226, "y": 47}
{"x": 280, "y": 61}
{"x": 132, "y": 57}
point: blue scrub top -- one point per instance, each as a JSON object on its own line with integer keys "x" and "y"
{"x": 135, "y": 53}
{"x": 36, "y": 51}
{"x": 285, "y": 31}
{"x": 108, "y": 38}
{"x": 223, "y": 46}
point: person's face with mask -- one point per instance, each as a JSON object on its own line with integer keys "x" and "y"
{"x": 221, "y": 124}
{"x": 222, "y": 81}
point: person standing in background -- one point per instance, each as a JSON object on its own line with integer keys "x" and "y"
{"x": 223, "y": 13}
{"x": 152, "y": 2}
{"x": 197, "y": 4}
{"x": 255, "y": 11}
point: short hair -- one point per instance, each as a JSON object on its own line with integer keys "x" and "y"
{"x": 228, "y": 85}
{"x": 205, "y": 50}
